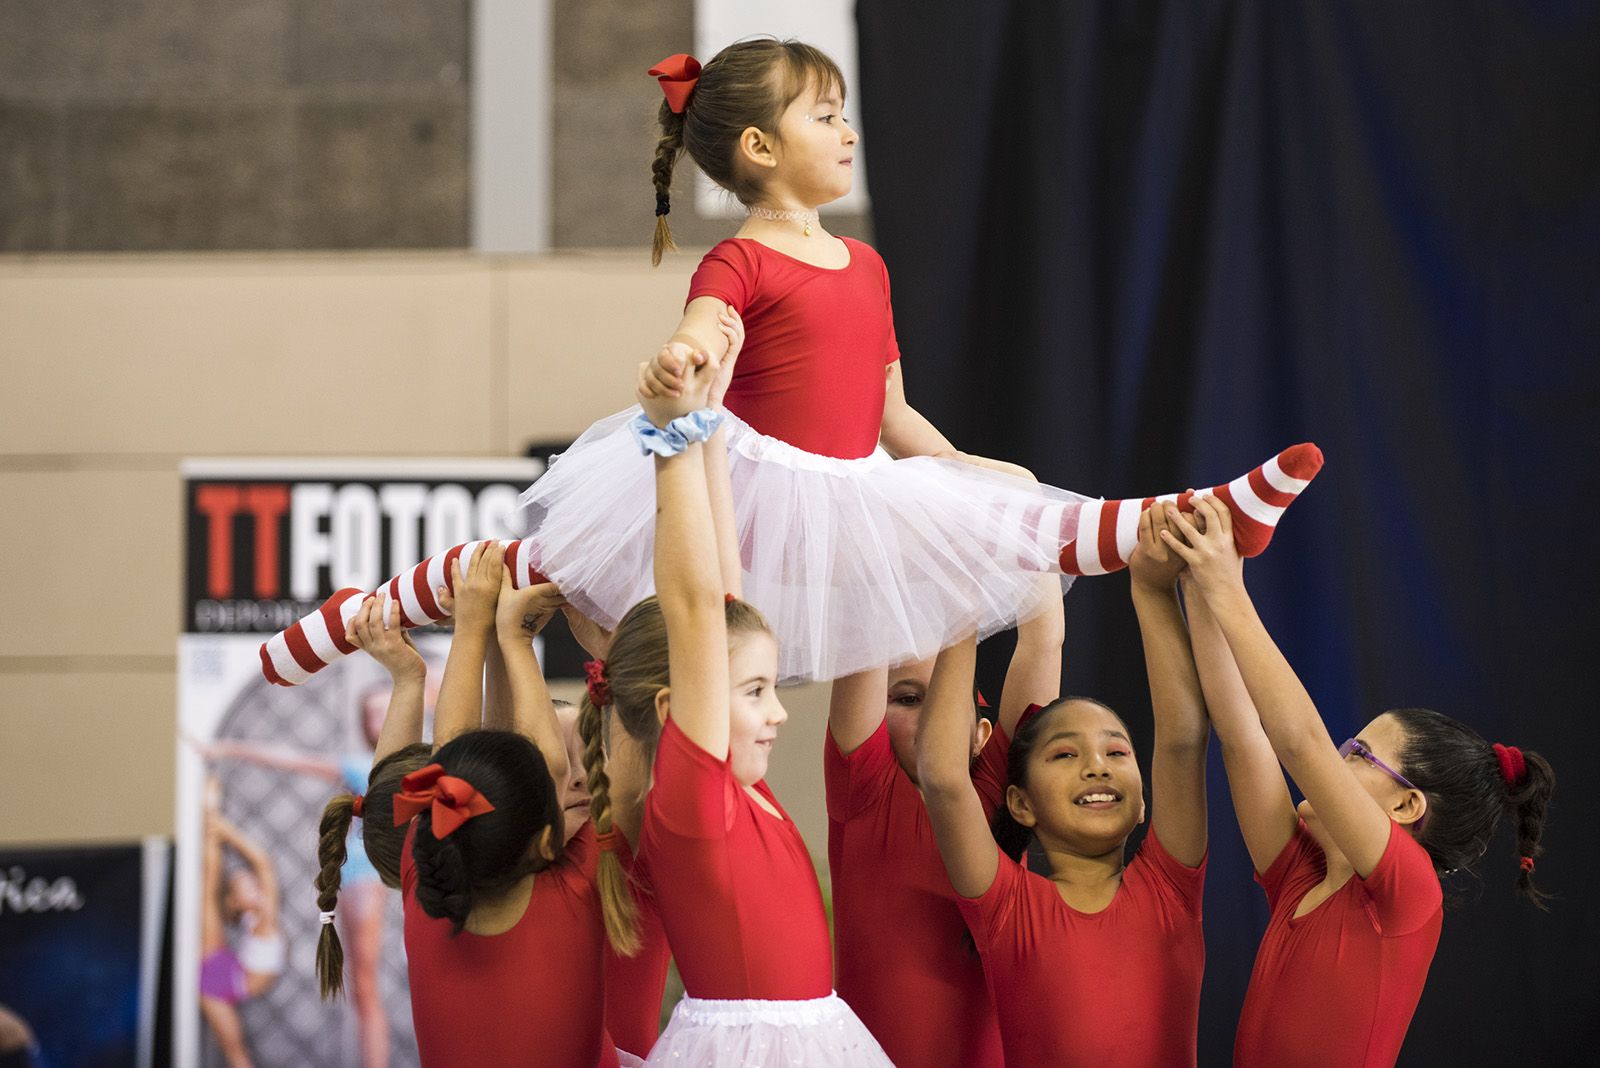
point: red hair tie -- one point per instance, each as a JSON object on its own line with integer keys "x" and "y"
{"x": 1527, "y": 865}
{"x": 594, "y": 676}
{"x": 609, "y": 841}
{"x": 1513, "y": 769}
{"x": 452, "y": 801}
{"x": 358, "y": 806}
{"x": 728, "y": 598}
{"x": 678, "y": 75}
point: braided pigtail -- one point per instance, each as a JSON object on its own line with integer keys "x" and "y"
{"x": 1528, "y": 803}
{"x": 444, "y": 886}
{"x": 332, "y": 832}
{"x": 668, "y": 149}
{"x": 617, "y": 905}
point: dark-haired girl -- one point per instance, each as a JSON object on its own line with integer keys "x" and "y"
{"x": 866, "y": 537}
{"x": 1352, "y": 876}
{"x": 502, "y": 919}
{"x": 1100, "y": 963}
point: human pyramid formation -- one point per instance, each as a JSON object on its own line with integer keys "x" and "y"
{"x": 773, "y": 537}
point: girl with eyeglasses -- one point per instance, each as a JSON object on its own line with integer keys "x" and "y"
{"x": 1352, "y": 874}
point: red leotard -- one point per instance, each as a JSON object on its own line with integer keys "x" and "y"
{"x": 634, "y": 985}
{"x": 817, "y": 340}
{"x": 1120, "y": 986}
{"x": 904, "y": 960}
{"x": 492, "y": 999}
{"x": 735, "y": 885}
{"x": 1338, "y": 985}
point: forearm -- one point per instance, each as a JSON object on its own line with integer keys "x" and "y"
{"x": 1286, "y": 712}
{"x": 497, "y": 691}
{"x": 1034, "y": 675}
{"x": 460, "y": 706}
{"x": 532, "y": 713}
{"x": 907, "y": 432}
{"x": 720, "y": 492}
{"x": 402, "y": 723}
{"x": 944, "y": 731}
{"x": 1178, "y": 708}
{"x": 687, "y": 567}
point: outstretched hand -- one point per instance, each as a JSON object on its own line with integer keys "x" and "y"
{"x": 376, "y": 629}
{"x": 523, "y": 613}
{"x": 1213, "y": 559}
{"x": 1154, "y": 566}
{"x": 664, "y": 375}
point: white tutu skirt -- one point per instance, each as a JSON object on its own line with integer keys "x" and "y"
{"x": 820, "y": 1032}
{"x": 856, "y": 563}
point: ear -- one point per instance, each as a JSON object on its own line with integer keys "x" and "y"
{"x": 981, "y": 735}
{"x": 757, "y": 149}
{"x": 1141, "y": 808}
{"x": 663, "y": 704}
{"x": 546, "y": 844}
{"x": 1410, "y": 809}
{"x": 1019, "y": 806}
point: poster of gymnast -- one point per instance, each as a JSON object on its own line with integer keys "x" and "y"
{"x": 268, "y": 542}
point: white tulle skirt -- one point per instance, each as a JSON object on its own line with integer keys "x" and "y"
{"x": 855, "y": 563}
{"x": 820, "y": 1032}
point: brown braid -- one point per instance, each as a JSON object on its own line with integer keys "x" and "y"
{"x": 617, "y": 905}
{"x": 667, "y": 151}
{"x": 334, "y": 829}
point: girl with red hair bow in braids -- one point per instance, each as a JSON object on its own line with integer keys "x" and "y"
{"x": 1352, "y": 876}
{"x": 502, "y": 916}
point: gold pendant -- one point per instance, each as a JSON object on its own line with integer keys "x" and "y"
{"x": 808, "y": 229}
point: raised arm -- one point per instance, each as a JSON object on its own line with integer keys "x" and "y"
{"x": 1178, "y": 759}
{"x": 1034, "y": 675}
{"x": 477, "y": 590}
{"x": 260, "y": 866}
{"x": 1261, "y": 800}
{"x": 944, "y": 756}
{"x": 277, "y": 757}
{"x": 519, "y": 617}
{"x": 375, "y": 628}
{"x": 856, "y": 707}
{"x": 688, "y": 576}
{"x": 1358, "y": 824}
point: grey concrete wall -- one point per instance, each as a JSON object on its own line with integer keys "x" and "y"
{"x": 232, "y": 124}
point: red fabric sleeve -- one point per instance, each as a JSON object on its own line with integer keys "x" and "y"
{"x": 892, "y": 349}
{"x": 694, "y": 792}
{"x": 1185, "y": 885}
{"x": 729, "y": 273}
{"x": 989, "y": 771}
{"x": 988, "y": 914}
{"x": 852, "y": 782}
{"x": 1290, "y": 868}
{"x": 1403, "y": 889}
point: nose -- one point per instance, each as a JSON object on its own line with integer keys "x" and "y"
{"x": 1094, "y": 765}
{"x": 850, "y": 135}
{"x": 779, "y": 715}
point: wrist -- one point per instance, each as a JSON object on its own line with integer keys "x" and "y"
{"x": 675, "y": 435}
{"x": 413, "y": 673}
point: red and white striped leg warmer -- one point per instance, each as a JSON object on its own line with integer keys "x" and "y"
{"x": 1108, "y": 531}
{"x": 292, "y": 656}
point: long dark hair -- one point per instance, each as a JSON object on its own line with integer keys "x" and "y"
{"x": 1458, "y": 771}
{"x": 489, "y": 852}
{"x": 748, "y": 83}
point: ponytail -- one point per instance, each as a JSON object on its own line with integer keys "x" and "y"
{"x": 1528, "y": 802}
{"x": 444, "y": 888}
{"x": 332, "y": 832}
{"x": 668, "y": 149}
{"x": 617, "y": 905}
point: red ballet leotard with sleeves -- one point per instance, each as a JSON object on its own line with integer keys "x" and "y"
{"x": 1119, "y": 986}
{"x": 530, "y": 994}
{"x": 634, "y": 985}
{"x": 904, "y": 961}
{"x": 1338, "y": 986}
{"x": 735, "y": 885}
{"x": 817, "y": 340}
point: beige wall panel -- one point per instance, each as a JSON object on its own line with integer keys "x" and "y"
{"x": 90, "y": 756}
{"x": 795, "y": 773}
{"x": 105, "y": 552}
{"x": 224, "y": 354}
{"x": 577, "y": 328}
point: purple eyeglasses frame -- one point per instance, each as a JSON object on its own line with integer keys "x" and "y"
{"x": 1359, "y": 748}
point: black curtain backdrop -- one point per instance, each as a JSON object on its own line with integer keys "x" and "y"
{"x": 1139, "y": 246}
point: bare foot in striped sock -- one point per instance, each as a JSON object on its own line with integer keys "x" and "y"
{"x": 1256, "y": 501}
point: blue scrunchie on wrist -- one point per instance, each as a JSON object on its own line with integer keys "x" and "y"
{"x": 677, "y": 435}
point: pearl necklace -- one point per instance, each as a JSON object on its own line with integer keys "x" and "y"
{"x": 807, "y": 217}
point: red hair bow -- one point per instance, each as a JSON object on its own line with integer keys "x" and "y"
{"x": 1513, "y": 769}
{"x": 453, "y": 801}
{"x": 678, "y": 75}
{"x": 594, "y": 680}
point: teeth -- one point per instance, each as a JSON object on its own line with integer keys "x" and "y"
{"x": 1089, "y": 799}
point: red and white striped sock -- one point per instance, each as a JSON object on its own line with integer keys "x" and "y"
{"x": 1109, "y": 530}
{"x": 292, "y": 656}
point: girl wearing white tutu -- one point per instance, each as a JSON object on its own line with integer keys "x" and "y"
{"x": 864, "y": 536}
{"x": 732, "y": 878}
